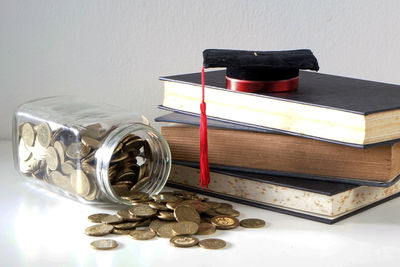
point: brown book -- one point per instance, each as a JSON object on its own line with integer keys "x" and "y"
{"x": 285, "y": 153}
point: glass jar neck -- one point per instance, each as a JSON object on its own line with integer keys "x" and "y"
{"x": 160, "y": 165}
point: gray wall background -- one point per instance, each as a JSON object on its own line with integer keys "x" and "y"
{"x": 114, "y": 51}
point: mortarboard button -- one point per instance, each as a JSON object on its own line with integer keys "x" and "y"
{"x": 261, "y": 71}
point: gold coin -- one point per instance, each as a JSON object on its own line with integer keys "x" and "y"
{"x": 120, "y": 189}
{"x": 142, "y": 234}
{"x": 140, "y": 183}
{"x": 212, "y": 243}
{"x": 94, "y": 192}
{"x": 142, "y": 211}
{"x": 184, "y": 241}
{"x": 214, "y": 205}
{"x": 225, "y": 222}
{"x": 91, "y": 142}
{"x": 112, "y": 219}
{"x": 154, "y": 225}
{"x": 23, "y": 152}
{"x": 104, "y": 244}
{"x": 60, "y": 148}
{"x": 99, "y": 229}
{"x": 80, "y": 182}
{"x": 186, "y": 213}
{"x": 96, "y": 218}
{"x": 43, "y": 133}
{"x": 163, "y": 197}
{"x": 120, "y": 231}
{"x": 166, "y": 215}
{"x": 252, "y": 223}
{"x": 206, "y": 229}
{"x": 94, "y": 130}
{"x": 38, "y": 152}
{"x": 158, "y": 206}
{"x": 173, "y": 205}
{"x": 119, "y": 157}
{"x": 28, "y": 134}
{"x": 198, "y": 205}
{"x": 52, "y": 160}
{"x": 165, "y": 230}
{"x": 88, "y": 169}
{"x": 125, "y": 225}
{"x": 67, "y": 167}
{"x": 77, "y": 150}
{"x": 228, "y": 211}
{"x": 185, "y": 228}
{"x": 144, "y": 223}
{"x": 126, "y": 216}
{"x": 225, "y": 205}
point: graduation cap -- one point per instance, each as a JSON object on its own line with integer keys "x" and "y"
{"x": 251, "y": 71}
{"x": 261, "y": 71}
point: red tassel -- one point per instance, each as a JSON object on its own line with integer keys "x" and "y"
{"x": 204, "y": 167}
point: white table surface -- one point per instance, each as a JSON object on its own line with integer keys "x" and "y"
{"x": 39, "y": 228}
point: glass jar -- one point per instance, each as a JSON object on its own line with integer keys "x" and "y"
{"x": 94, "y": 153}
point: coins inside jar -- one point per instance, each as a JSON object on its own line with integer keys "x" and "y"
{"x": 66, "y": 158}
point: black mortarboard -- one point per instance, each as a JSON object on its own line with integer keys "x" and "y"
{"x": 252, "y": 71}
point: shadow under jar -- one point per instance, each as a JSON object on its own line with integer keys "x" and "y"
{"x": 91, "y": 152}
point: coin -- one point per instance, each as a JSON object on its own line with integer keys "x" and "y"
{"x": 99, "y": 229}
{"x": 228, "y": 211}
{"x": 52, "y": 159}
{"x": 120, "y": 231}
{"x": 173, "y": 205}
{"x": 214, "y": 205}
{"x": 252, "y": 223}
{"x": 154, "y": 225}
{"x": 80, "y": 182}
{"x": 165, "y": 198}
{"x": 91, "y": 142}
{"x": 43, "y": 133}
{"x": 28, "y": 134}
{"x": 185, "y": 228}
{"x": 125, "y": 225}
{"x": 104, "y": 244}
{"x": 77, "y": 150}
{"x": 158, "y": 206}
{"x": 206, "y": 229}
{"x": 60, "y": 148}
{"x": 112, "y": 219}
{"x": 184, "y": 241}
{"x": 142, "y": 234}
{"x": 88, "y": 169}
{"x": 96, "y": 218}
{"x": 165, "y": 230}
{"x": 212, "y": 243}
{"x": 38, "y": 152}
{"x": 94, "y": 130}
{"x": 67, "y": 167}
{"x": 166, "y": 215}
{"x": 225, "y": 222}
{"x": 23, "y": 152}
{"x": 126, "y": 216}
{"x": 140, "y": 183}
{"x": 186, "y": 213}
{"x": 198, "y": 205}
{"x": 142, "y": 211}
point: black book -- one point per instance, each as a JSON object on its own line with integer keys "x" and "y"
{"x": 326, "y": 107}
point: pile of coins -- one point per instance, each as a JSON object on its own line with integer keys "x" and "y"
{"x": 176, "y": 215}
{"x": 66, "y": 159}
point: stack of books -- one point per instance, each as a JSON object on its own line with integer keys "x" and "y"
{"x": 324, "y": 152}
